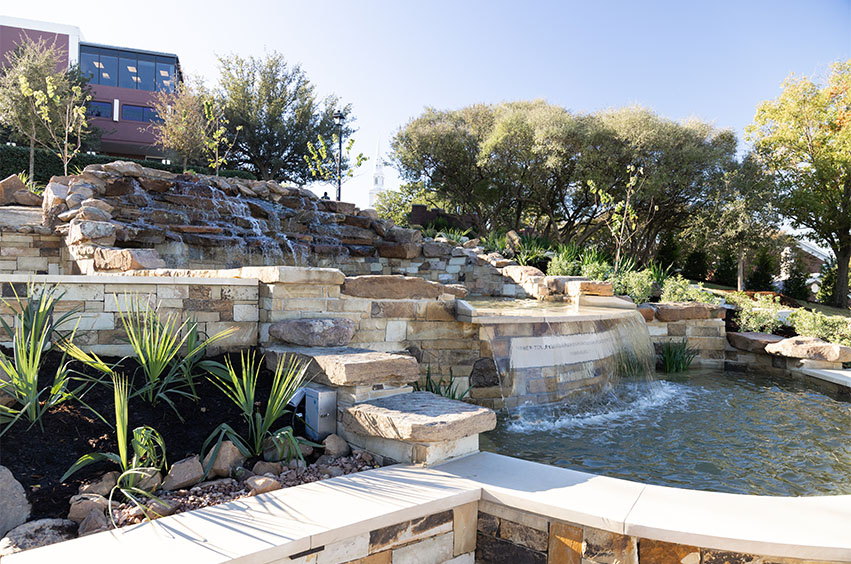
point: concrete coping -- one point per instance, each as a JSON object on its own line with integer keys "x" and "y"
{"x": 69, "y": 279}
{"x": 266, "y": 274}
{"x": 543, "y": 312}
{"x": 272, "y": 526}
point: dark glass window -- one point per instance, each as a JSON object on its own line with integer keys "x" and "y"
{"x": 99, "y": 109}
{"x": 150, "y": 115}
{"x": 165, "y": 74}
{"x": 108, "y": 69}
{"x": 89, "y": 63}
{"x": 147, "y": 71}
{"x": 137, "y": 113}
{"x": 127, "y": 71}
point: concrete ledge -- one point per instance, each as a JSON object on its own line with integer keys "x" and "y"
{"x": 64, "y": 280}
{"x": 838, "y": 377}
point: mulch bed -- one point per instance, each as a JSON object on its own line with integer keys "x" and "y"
{"x": 38, "y": 458}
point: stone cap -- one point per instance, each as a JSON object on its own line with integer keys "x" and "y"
{"x": 418, "y": 417}
{"x": 752, "y": 342}
{"x": 294, "y": 274}
{"x": 393, "y": 287}
{"x": 347, "y": 366}
{"x": 681, "y": 311}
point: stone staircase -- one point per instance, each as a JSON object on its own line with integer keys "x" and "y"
{"x": 377, "y": 409}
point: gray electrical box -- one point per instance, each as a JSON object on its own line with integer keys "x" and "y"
{"x": 320, "y": 411}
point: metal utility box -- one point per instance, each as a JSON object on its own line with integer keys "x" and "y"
{"x": 320, "y": 411}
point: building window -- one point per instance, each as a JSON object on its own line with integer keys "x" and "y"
{"x": 128, "y": 69}
{"x": 99, "y": 109}
{"x": 130, "y": 112}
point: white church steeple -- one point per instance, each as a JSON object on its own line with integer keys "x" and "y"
{"x": 377, "y": 177}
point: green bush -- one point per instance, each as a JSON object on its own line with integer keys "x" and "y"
{"x": 596, "y": 270}
{"x": 678, "y": 289}
{"x": 765, "y": 268}
{"x": 758, "y": 315}
{"x": 726, "y": 270}
{"x": 831, "y": 328}
{"x": 637, "y": 284}
{"x": 795, "y": 285}
{"x": 695, "y": 266}
{"x": 565, "y": 262}
{"x": 827, "y": 283}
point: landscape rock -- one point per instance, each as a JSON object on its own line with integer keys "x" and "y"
{"x": 262, "y": 467}
{"x": 274, "y": 450}
{"x": 100, "y": 231}
{"x": 68, "y": 215}
{"x": 392, "y": 287}
{"x": 752, "y": 342}
{"x": 54, "y": 195}
{"x": 810, "y": 348}
{"x": 74, "y": 201}
{"x": 457, "y": 290}
{"x": 390, "y": 249}
{"x": 648, "y": 311}
{"x": 161, "y": 508}
{"x": 369, "y": 212}
{"x": 149, "y": 480}
{"x": 124, "y": 168}
{"x": 262, "y": 484}
{"x": 92, "y": 213}
{"x": 94, "y": 522}
{"x": 127, "y": 259}
{"x": 14, "y": 507}
{"x": 102, "y": 486}
{"x": 34, "y": 534}
{"x": 100, "y": 204}
{"x": 83, "y": 189}
{"x": 513, "y": 240}
{"x": 589, "y": 288}
{"x": 403, "y": 235}
{"x": 8, "y": 187}
{"x": 184, "y": 473}
{"x": 432, "y": 249}
{"x": 83, "y": 504}
{"x": 521, "y": 274}
{"x": 27, "y": 198}
{"x": 227, "y": 458}
{"x": 336, "y": 446}
{"x": 484, "y": 374}
{"x": 679, "y": 311}
{"x": 320, "y": 332}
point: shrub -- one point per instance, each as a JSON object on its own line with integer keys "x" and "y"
{"x": 827, "y": 282}
{"x": 695, "y": 266}
{"x": 831, "y": 328}
{"x": 565, "y": 262}
{"x": 758, "y": 315}
{"x": 494, "y": 242}
{"x": 637, "y": 284}
{"x": 795, "y": 285}
{"x": 659, "y": 273}
{"x": 677, "y": 356}
{"x": 765, "y": 268}
{"x": 726, "y": 270}
{"x": 678, "y": 289}
{"x": 596, "y": 270}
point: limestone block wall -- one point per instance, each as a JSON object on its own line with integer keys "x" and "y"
{"x": 30, "y": 253}
{"x": 217, "y": 304}
{"x": 701, "y": 324}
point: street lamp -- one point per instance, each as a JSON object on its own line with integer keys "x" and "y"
{"x": 338, "y": 121}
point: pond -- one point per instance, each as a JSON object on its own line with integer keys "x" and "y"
{"x": 705, "y": 430}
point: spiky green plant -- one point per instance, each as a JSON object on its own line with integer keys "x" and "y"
{"x": 659, "y": 273}
{"x": 446, "y": 389}
{"x": 677, "y": 356}
{"x": 241, "y": 388}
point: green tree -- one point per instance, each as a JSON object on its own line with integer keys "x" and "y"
{"x": 33, "y": 62}
{"x": 322, "y": 159}
{"x": 181, "y": 127}
{"x": 804, "y": 139}
{"x": 279, "y": 113}
{"x": 395, "y": 205}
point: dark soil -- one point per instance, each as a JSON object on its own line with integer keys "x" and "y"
{"x": 38, "y": 458}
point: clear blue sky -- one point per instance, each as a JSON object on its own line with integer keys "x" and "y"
{"x": 712, "y": 59}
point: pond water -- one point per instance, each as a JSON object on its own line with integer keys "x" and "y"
{"x": 703, "y": 430}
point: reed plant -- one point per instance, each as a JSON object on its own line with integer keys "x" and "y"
{"x": 447, "y": 389}
{"x": 677, "y": 356}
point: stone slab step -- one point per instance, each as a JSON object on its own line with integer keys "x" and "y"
{"x": 418, "y": 417}
{"x": 838, "y": 377}
{"x": 347, "y": 366}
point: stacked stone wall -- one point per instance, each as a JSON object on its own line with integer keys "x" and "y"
{"x": 30, "y": 253}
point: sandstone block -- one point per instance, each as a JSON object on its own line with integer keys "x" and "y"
{"x": 433, "y": 249}
{"x": 379, "y": 286}
{"x": 418, "y": 417}
{"x": 91, "y": 213}
{"x": 124, "y": 168}
{"x": 27, "y": 198}
{"x": 589, "y": 288}
{"x": 54, "y": 195}
{"x": 752, "y": 342}
{"x": 8, "y": 187}
{"x": 521, "y": 273}
{"x": 100, "y": 231}
{"x": 100, "y": 204}
{"x": 321, "y": 332}
{"x": 403, "y": 235}
{"x": 398, "y": 250}
{"x": 679, "y": 311}
{"x": 810, "y": 348}
{"x": 351, "y": 366}
{"x": 648, "y": 311}
{"x": 127, "y": 259}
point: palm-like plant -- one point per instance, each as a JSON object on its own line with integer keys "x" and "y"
{"x": 241, "y": 389}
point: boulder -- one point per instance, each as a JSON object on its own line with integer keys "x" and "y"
{"x": 484, "y": 374}
{"x": 521, "y": 274}
{"x": 102, "y": 486}
{"x": 91, "y": 213}
{"x": 471, "y": 244}
{"x": 124, "y": 168}
{"x": 679, "y": 311}
{"x": 118, "y": 187}
{"x": 83, "y": 189}
{"x": 101, "y": 232}
{"x": 74, "y": 201}
{"x": 127, "y": 259}
{"x": 100, "y": 204}
{"x": 14, "y": 507}
{"x": 369, "y": 212}
{"x": 184, "y": 473}
{"x": 558, "y": 284}
{"x": 262, "y": 484}
{"x": 27, "y": 198}
{"x": 513, "y": 240}
{"x": 34, "y": 534}
{"x": 389, "y": 249}
{"x": 54, "y": 195}
{"x": 157, "y": 173}
{"x": 161, "y": 508}
{"x": 752, "y": 342}
{"x": 8, "y": 187}
{"x": 94, "y": 522}
{"x": 810, "y": 348}
{"x": 648, "y": 311}
{"x": 336, "y": 446}
{"x": 263, "y": 467}
{"x": 320, "y": 332}
{"x": 149, "y": 480}
{"x": 158, "y": 185}
{"x": 432, "y": 249}
{"x": 457, "y": 290}
{"x": 227, "y": 458}
{"x": 83, "y": 504}
{"x": 386, "y": 286}
{"x": 589, "y": 288}
{"x": 403, "y": 235}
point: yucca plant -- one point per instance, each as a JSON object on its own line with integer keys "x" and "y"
{"x": 33, "y": 334}
{"x": 156, "y": 346}
{"x": 658, "y": 272}
{"x": 443, "y": 388}
{"x": 677, "y": 356}
{"x": 241, "y": 389}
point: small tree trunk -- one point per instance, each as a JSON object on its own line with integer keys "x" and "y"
{"x": 740, "y": 274}
{"x": 32, "y": 157}
{"x": 840, "y": 296}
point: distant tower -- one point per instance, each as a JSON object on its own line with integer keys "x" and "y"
{"x": 377, "y": 177}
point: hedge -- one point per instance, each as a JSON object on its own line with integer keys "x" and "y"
{"x": 14, "y": 159}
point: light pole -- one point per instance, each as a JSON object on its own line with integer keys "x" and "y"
{"x": 338, "y": 121}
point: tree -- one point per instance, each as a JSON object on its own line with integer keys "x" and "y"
{"x": 322, "y": 159}
{"x": 395, "y": 205}
{"x": 279, "y": 112}
{"x": 804, "y": 139}
{"x": 33, "y": 62}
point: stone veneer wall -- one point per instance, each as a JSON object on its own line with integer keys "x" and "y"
{"x": 217, "y": 304}
{"x": 31, "y": 253}
{"x": 702, "y": 325}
